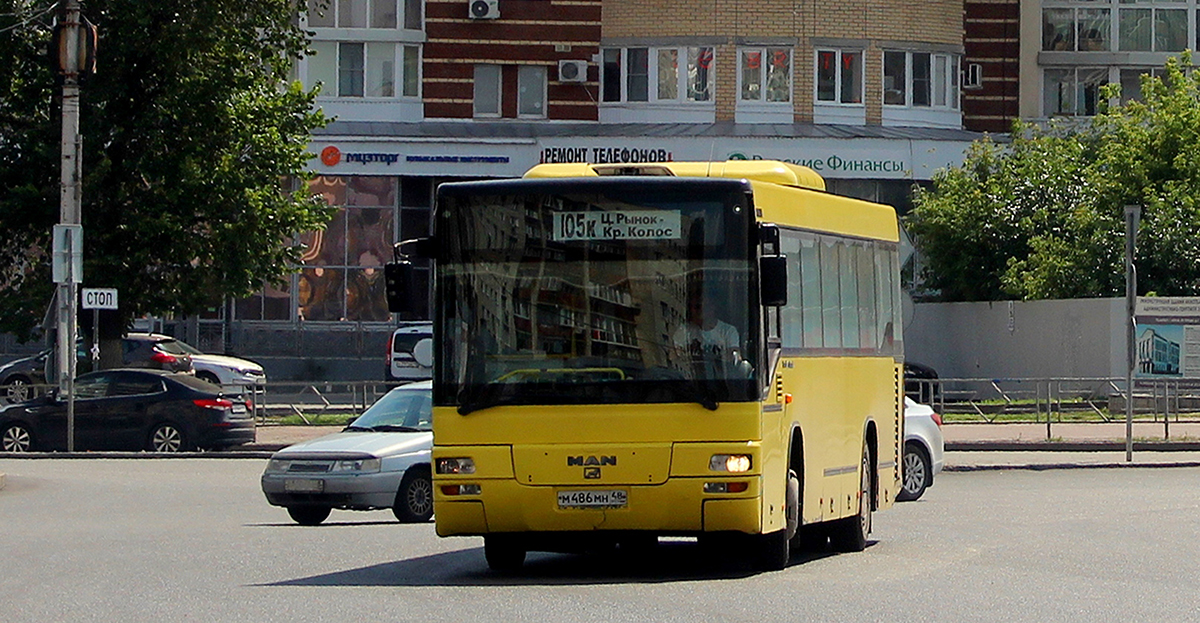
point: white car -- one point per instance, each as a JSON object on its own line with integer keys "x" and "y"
{"x": 410, "y": 353}
{"x": 218, "y": 369}
{"x": 924, "y": 449}
{"x": 381, "y": 460}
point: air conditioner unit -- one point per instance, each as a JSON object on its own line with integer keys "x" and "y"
{"x": 483, "y": 9}
{"x": 572, "y": 71}
{"x": 973, "y": 76}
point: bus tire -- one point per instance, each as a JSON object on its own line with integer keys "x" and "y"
{"x": 504, "y": 553}
{"x": 850, "y": 534}
{"x": 774, "y": 550}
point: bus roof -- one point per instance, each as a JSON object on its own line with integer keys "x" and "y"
{"x": 785, "y": 193}
{"x": 771, "y": 171}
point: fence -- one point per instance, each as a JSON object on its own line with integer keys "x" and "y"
{"x": 1051, "y": 400}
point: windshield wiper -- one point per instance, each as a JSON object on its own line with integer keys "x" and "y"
{"x": 354, "y": 429}
{"x": 397, "y": 428}
{"x": 703, "y": 394}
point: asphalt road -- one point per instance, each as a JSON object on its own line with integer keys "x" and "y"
{"x": 193, "y": 539}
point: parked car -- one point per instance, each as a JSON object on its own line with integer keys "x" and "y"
{"x": 381, "y": 460}
{"x": 924, "y": 450}
{"x": 21, "y": 377}
{"x": 410, "y": 353}
{"x": 130, "y": 409}
{"x": 216, "y": 369}
{"x": 921, "y": 382}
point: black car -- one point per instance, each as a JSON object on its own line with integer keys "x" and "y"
{"x": 19, "y": 378}
{"x": 921, "y": 382}
{"x": 131, "y": 409}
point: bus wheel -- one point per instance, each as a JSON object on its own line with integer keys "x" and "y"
{"x": 774, "y": 550}
{"x": 850, "y": 534}
{"x": 503, "y": 552}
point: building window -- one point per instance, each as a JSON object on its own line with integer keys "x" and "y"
{"x": 350, "y": 70}
{"x": 384, "y": 14}
{"x": 412, "y": 71}
{"x": 839, "y": 76}
{"x": 531, "y": 91}
{"x": 920, "y": 79}
{"x": 1152, "y": 29}
{"x": 1076, "y": 29}
{"x": 626, "y": 73}
{"x": 765, "y": 74}
{"x": 364, "y": 69}
{"x": 487, "y": 90}
{"x": 1073, "y": 92}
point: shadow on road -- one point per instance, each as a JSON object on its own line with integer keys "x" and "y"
{"x": 668, "y": 562}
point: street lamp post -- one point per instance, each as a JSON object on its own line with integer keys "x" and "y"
{"x": 74, "y": 42}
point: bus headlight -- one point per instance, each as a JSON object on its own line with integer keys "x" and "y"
{"x": 734, "y": 463}
{"x": 456, "y": 465}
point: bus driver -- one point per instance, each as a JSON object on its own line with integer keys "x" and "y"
{"x": 707, "y": 338}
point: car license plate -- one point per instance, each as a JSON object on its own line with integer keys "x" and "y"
{"x": 303, "y": 485}
{"x": 614, "y": 498}
{"x": 239, "y": 407}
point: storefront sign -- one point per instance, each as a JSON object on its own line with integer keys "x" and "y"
{"x": 835, "y": 163}
{"x": 605, "y": 155}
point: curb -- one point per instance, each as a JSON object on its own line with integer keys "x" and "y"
{"x": 1040, "y": 467}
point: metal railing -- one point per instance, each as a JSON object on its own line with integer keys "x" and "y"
{"x": 1060, "y": 399}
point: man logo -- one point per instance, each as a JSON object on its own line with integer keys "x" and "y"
{"x": 579, "y": 461}
{"x": 591, "y": 473}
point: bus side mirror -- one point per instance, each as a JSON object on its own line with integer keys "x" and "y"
{"x": 772, "y": 273}
{"x": 400, "y": 286}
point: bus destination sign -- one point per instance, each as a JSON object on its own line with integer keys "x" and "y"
{"x": 616, "y": 225}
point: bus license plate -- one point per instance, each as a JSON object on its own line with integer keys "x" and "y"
{"x": 614, "y": 498}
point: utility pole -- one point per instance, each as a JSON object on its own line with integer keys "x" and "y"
{"x": 1133, "y": 214}
{"x": 74, "y": 41}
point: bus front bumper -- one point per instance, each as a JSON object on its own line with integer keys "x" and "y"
{"x": 677, "y": 507}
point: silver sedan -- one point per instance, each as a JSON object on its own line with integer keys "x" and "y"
{"x": 381, "y": 460}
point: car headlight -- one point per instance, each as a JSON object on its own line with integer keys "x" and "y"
{"x": 278, "y": 466}
{"x": 357, "y": 465}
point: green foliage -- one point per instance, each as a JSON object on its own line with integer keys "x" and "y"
{"x": 1043, "y": 215}
{"x": 189, "y": 129}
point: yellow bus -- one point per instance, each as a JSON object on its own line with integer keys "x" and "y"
{"x": 625, "y": 352}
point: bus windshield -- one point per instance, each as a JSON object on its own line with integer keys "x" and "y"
{"x": 600, "y": 292}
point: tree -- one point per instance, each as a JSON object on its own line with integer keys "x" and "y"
{"x": 190, "y": 130}
{"x": 1043, "y": 215}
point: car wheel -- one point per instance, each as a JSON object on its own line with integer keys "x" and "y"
{"x": 918, "y": 472}
{"x": 850, "y": 534}
{"x": 16, "y": 438}
{"x": 208, "y": 376}
{"x": 503, "y": 552}
{"x": 166, "y": 438}
{"x": 17, "y": 389}
{"x": 414, "y": 499}
{"x": 309, "y": 515}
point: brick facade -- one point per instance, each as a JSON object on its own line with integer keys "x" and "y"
{"x": 992, "y": 41}
{"x": 538, "y": 32}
